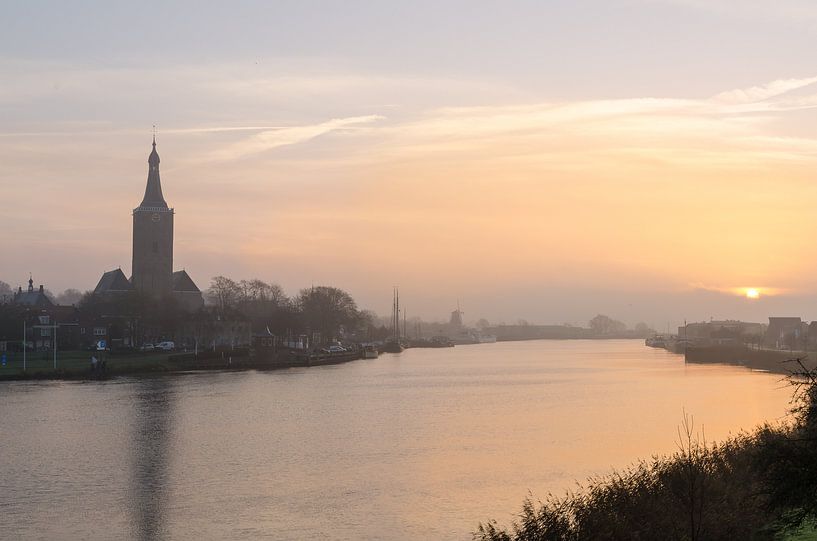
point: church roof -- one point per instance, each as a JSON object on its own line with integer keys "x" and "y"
{"x": 113, "y": 281}
{"x": 153, "y": 190}
{"x": 183, "y": 282}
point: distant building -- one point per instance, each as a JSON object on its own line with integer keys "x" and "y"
{"x": 784, "y": 332}
{"x": 728, "y": 331}
{"x": 214, "y": 328}
{"x": 811, "y": 335}
{"x": 113, "y": 282}
{"x": 32, "y": 297}
{"x": 186, "y": 292}
{"x": 39, "y": 331}
{"x": 44, "y": 321}
{"x": 152, "y": 263}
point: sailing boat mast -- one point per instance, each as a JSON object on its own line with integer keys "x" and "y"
{"x": 392, "y": 344}
{"x": 395, "y": 314}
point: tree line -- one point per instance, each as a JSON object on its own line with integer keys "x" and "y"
{"x": 326, "y": 312}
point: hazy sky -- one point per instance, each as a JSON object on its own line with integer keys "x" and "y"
{"x": 544, "y": 160}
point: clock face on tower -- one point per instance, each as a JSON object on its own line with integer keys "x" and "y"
{"x": 155, "y": 217}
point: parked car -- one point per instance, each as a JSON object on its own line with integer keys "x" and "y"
{"x": 166, "y": 346}
{"x": 147, "y": 347}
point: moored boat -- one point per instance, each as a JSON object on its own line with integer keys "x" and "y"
{"x": 395, "y": 343}
{"x": 656, "y": 341}
{"x": 393, "y": 346}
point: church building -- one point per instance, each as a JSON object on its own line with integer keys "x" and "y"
{"x": 152, "y": 265}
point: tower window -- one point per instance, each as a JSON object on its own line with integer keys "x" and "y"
{"x": 155, "y": 247}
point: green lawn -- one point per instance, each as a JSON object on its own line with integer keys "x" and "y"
{"x": 78, "y": 363}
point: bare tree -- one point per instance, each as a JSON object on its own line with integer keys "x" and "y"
{"x": 693, "y": 456}
{"x": 258, "y": 290}
{"x": 224, "y": 292}
{"x": 6, "y": 293}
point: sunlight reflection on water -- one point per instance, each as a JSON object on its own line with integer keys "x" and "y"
{"x": 421, "y": 445}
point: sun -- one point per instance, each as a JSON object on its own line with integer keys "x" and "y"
{"x": 752, "y": 293}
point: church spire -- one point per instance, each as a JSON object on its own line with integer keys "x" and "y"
{"x": 153, "y": 190}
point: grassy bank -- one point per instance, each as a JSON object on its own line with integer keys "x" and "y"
{"x": 77, "y": 364}
{"x": 755, "y": 486}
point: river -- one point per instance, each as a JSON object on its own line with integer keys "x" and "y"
{"x": 420, "y": 445}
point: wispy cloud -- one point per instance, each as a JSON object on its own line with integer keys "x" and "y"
{"x": 728, "y": 128}
{"x": 763, "y": 92}
{"x": 221, "y": 129}
{"x": 723, "y": 128}
{"x": 274, "y": 138}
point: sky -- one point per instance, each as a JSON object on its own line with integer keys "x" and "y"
{"x": 536, "y": 160}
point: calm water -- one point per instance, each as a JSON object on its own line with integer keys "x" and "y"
{"x": 421, "y": 445}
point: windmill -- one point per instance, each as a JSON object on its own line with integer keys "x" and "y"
{"x": 456, "y": 316}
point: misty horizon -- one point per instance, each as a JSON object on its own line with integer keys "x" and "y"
{"x": 655, "y": 194}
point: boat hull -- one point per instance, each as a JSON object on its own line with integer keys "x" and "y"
{"x": 393, "y": 347}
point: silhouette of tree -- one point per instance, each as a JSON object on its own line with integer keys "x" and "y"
{"x": 5, "y": 291}
{"x": 327, "y": 310}
{"x": 69, "y": 296}
{"x": 266, "y": 306}
{"x": 603, "y": 325}
{"x": 258, "y": 290}
{"x": 223, "y": 292}
{"x": 788, "y": 459}
{"x": 11, "y": 321}
{"x": 642, "y": 329}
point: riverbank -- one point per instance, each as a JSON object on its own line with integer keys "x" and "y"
{"x": 768, "y": 360}
{"x": 77, "y": 366}
{"x": 757, "y": 485}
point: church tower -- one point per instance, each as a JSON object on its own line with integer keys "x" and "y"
{"x": 153, "y": 237}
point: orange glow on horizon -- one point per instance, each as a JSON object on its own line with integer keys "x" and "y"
{"x": 614, "y": 195}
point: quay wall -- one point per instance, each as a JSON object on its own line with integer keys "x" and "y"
{"x": 777, "y": 361}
